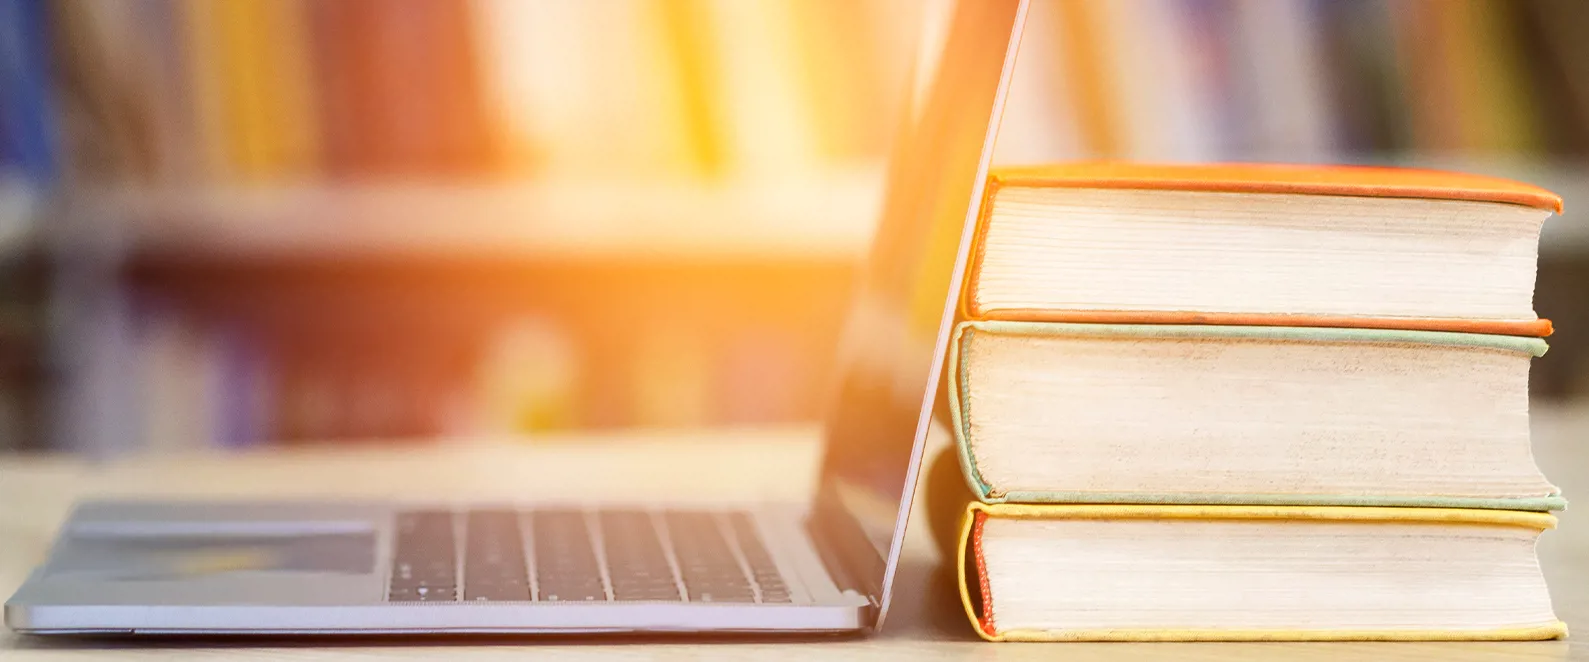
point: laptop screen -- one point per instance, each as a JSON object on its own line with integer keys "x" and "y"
{"x": 892, "y": 352}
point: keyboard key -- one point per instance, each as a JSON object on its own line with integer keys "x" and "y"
{"x": 494, "y": 557}
{"x": 565, "y": 563}
{"x": 763, "y": 570}
{"x": 423, "y": 594}
{"x": 424, "y": 567}
{"x": 706, "y": 562}
{"x": 636, "y": 563}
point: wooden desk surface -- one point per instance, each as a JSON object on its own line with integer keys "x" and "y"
{"x": 35, "y": 493}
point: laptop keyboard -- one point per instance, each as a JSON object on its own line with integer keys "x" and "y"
{"x": 582, "y": 556}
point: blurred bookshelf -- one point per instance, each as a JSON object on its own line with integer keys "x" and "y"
{"x": 287, "y": 221}
{"x": 294, "y": 221}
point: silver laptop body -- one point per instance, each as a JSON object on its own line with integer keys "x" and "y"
{"x": 827, "y": 566}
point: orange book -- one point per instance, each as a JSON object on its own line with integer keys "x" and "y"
{"x": 267, "y": 100}
{"x": 1245, "y": 244}
{"x": 399, "y": 89}
{"x": 1429, "y": 48}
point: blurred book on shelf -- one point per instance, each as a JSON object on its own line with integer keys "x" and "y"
{"x": 1300, "y": 80}
{"x": 29, "y": 167}
{"x": 468, "y": 351}
{"x": 303, "y": 220}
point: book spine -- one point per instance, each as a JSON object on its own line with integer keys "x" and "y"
{"x": 970, "y": 305}
{"x": 206, "y": 85}
{"x": 28, "y": 138}
{"x": 972, "y": 576}
{"x": 959, "y": 390}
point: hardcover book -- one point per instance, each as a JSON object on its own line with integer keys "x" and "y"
{"x": 1252, "y": 573}
{"x": 1259, "y": 245}
{"x": 1153, "y": 413}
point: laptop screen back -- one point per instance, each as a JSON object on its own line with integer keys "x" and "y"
{"x": 892, "y": 352}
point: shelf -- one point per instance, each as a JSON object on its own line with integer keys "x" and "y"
{"x": 827, "y": 216}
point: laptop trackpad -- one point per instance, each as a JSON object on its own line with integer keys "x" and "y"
{"x": 190, "y": 555}
{"x": 146, "y": 553}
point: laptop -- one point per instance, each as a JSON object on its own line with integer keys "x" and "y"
{"x": 261, "y": 568}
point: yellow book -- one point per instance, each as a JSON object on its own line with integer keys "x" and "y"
{"x": 258, "y": 70}
{"x": 765, "y": 124}
{"x": 1085, "y": 46}
{"x": 1491, "y": 80}
{"x": 840, "y": 78}
{"x": 1252, "y": 573}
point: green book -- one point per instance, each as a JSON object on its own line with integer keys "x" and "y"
{"x": 1204, "y": 414}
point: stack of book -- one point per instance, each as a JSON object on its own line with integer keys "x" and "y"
{"x": 1251, "y": 403}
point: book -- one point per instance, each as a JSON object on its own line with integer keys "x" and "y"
{"x": 1558, "y": 71}
{"x": 176, "y": 386}
{"x": 264, "y": 81}
{"x": 1252, "y": 573}
{"x": 28, "y": 141}
{"x": 1119, "y": 413}
{"x": 1084, "y": 43}
{"x": 587, "y": 89}
{"x": 1367, "y": 95}
{"x": 398, "y": 89}
{"x": 161, "y": 31}
{"x": 765, "y": 123}
{"x": 1494, "y": 84}
{"x": 94, "y": 75}
{"x": 1259, "y": 244}
{"x": 1278, "y": 62}
{"x": 1158, "y": 104}
{"x": 204, "y": 54}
